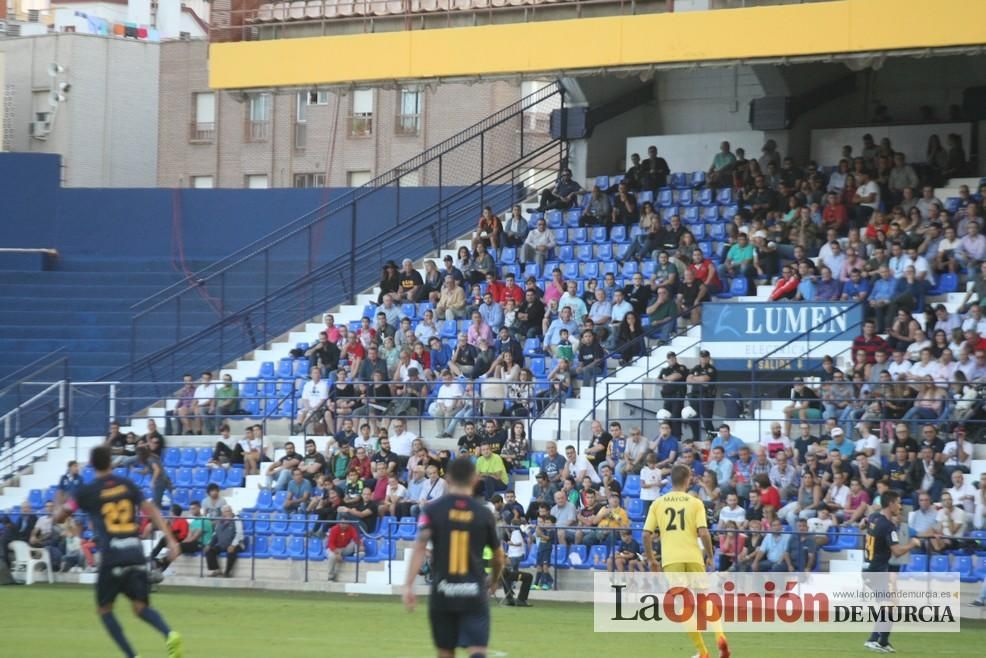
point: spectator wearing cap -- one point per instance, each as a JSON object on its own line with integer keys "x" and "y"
{"x": 451, "y": 270}
{"x": 562, "y": 195}
{"x": 390, "y": 280}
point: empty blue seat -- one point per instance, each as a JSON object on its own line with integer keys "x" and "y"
{"x": 686, "y": 198}
{"x": 572, "y": 218}
{"x": 604, "y": 252}
{"x": 705, "y": 198}
{"x": 371, "y": 551}
{"x": 89, "y": 473}
{"x": 599, "y": 234}
{"x": 172, "y": 457}
{"x": 449, "y": 329}
{"x": 285, "y": 367}
{"x": 706, "y": 248}
{"x": 648, "y": 268}
{"x": 609, "y": 266}
{"x": 298, "y": 524}
{"x": 297, "y": 547}
{"x": 424, "y": 306}
{"x": 678, "y": 180}
{"x": 369, "y": 311}
{"x": 279, "y": 547}
{"x": 409, "y": 310}
{"x": 266, "y": 369}
{"x": 665, "y": 197}
{"x": 629, "y": 268}
{"x": 197, "y": 493}
{"x": 729, "y": 211}
{"x": 180, "y": 497}
{"x": 631, "y": 485}
{"x": 316, "y": 549}
{"x": 698, "y": 178}
{"x": 36, "y": 499}
{"x": 698, "y": 230}
{"x": 963, "y": 566}
{"x": 554, "y": 218}
{"x": 537, "y": 366}
{"x": 590, "y": 270}
{"x": 570, "y": 269}
{"x": 739, "y": 287}
{"x": 561, "y": 236}
{"x": 724, "y": 197}
{"x": 947, "y": 282}
{"x": 184, "y": 478}
{"x": 279, "y": 499}
{"x": 615, "y": 180}
{"x": 265, "y": 500}
{"x": 598, "y": 556}
{"x": 533, "y": 218}
{"x": 407, "y": 528}
{"x": 559, "y": 557}
{"x": 917, "y": 564}
{"x": 261, "y": 523}
{"x": 189, "y": 457}
{"x": 578, "y": 235}
{"x": 584, "y": 252}
{"x": 200, "y": 477}
{"x": 532, "y": 347}
{"x": 690, "y": 215}
{"x": 530, "y": 558}
{"x": 710, "y": 214}
{"x": 566, "y": 253}
{"x": 715, "y": 231}
{"x": 938, "y": 564}
{"x": 203, "y": 456}
{"x": 618, "y": 233}
{"x": 669, "y": 212}
{"x": 279, "y": 523}
{"x": 261, "y": 547}
{"x": 635, "y": 509}
{"x": 849, "y": 539}
{"x": 508, "y": 255}
{"x": 646, "y": 196}
{"x": 620, "y": 250}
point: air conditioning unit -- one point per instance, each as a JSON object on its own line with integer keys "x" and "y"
{"x": 13, "y": 29}
{"x": 33, "y": 15}
{"x": 40, "y": 129}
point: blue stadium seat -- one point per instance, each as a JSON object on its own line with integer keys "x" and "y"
{"x": 180, "y": 497}
{"x": 631, "y": 486}
{"x": 636, "y": 510}
{"x": 409, "y": 310}
{"x": 536, "y": 458}
{"x": 530, "y": 558}
{"x": 850, "y": 539}
{"x": 686, "y": 198}
{"x": 565, "y": 253}
{"x": 371, "y": 550}
{"x": 559, "y": 556}
{"x": 705, "y": 198}
{"x": 203, "y": 455}
{"x": 197, "y": 493}
{"x": 510, "y": 269}
{"x": 938, "y": 564}
{"x": 279, "y": 499}
{"x": 716, "y": 232}
{"x": 298, "y": 524}
{"x": 602, "y": 182}
{"x": 424, "y": 306}
{"x": 698, "y": 178}
{"x": 172, "y": 457}
{"x": 561, "y": 236}
{"x": 947, "y": 282}
{"x": 262, "y": 523}
{"x": 646, "y": 196}
{"x": 533, "y": 218}
{"x": 285, "y": 367}
{"x": 279, "y": 547}
{"x": 89, "y": 473}
{"x": 408, "y": 528}
{"x": 36, "y": 499}
{"x": 599, "y": 234}
{"x": 537, "y": 367}
{"x": 316, "y": 549}
{"x": 189, "y": 457}
{"x": 572, "y": 218}
{"x": 665, "y": 197}
{"x": 629, "y": 268}
{"x": 609, "y": 266}
{"x": 554, "y": 218}
{"x": 698, "y": 230}
{"x": 738, "y": 287}
{"x": 710, "y": 214}
{"x": 532, "y": 347}
{"x": 729, "y": 211}
{"x": 962, "y": 565}
{"x": 508, "y": 255}
{"x": 584, "y": 252}
{"x": 590, "y": 270}
{"x": 690, "y": 215}
{"x": 952, "y": 204}
{"x": 648, "y": 268}
{"x": 266, "y": 369}
{"x": 618, "y": 234}
{"x": 184, "y": 477}
{"x": 917, "y": 564}
{"x": 604, "y": 252}
{"x": 297, "y": 547}
{"x": 570, "y": 269}
{"x": 449, "y": 329}
{"x": 706, "y": 248}
{"x": 579, "y": 235}
{"x": 615, "y": 180}
{"x": 598, "y": 556}
{"x": 261, "y": 547}
{"x": 678, "y": 180}
{"x": 724, "y": 197}
{"x": 279, "y": 523}
{"x": 669, "y": 212}
{"x": 583, "y": 553}
{"x": 302, "y": 346}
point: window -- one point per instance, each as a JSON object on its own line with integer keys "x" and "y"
{"x": 301, "y": 122}
{"x": 408, "y": 112}
{"x": 201, "y": 182}
{"x": 256, "y": 182}
{"x": 317, "y": 97}
{"x": 358, "y": 177}
{"x": 258, "y": 108}
{"x": 203, "y": 117}
{"x": 361, "y": 120}
{"x": 309, "y": 180}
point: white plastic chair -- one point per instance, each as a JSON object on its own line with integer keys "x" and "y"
{"x": 26, "y": 559}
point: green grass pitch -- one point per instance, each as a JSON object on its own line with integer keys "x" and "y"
{"x": 60, "y": 621}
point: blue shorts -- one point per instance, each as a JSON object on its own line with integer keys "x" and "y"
{"x": 544, "y": 555}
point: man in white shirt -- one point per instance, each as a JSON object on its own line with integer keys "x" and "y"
{"x": 957, "y": 454}
{"x": 775, "y": 440}
{"x": 867, "y": 443}
{"x": 898, "y": 364}
{"x": 951, "y": 518}
{"x": 921, "y": 268}
{"x": 867, "y": 197}
{"x": 448, "y": 403}
{"x": 732, "y": 512}
{"x": 538, "y": 243}
{"x": 314, "y": 395}
{"x": 204, "y": 405}
{"x": 838, "y": 495}
{"x": 402, "y": 438}
{"x": 927, "y": 200}
{"x": 963, "y": 493}
{"x": 577, "y": 466}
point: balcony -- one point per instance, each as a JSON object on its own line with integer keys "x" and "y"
{"x": 202, "y": 133}
{"x": 256, "y": 130}
{"x": 360, "y": 125}
{"x": 407, "y": 125}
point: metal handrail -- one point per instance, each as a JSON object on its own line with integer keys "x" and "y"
{"x": 348, "y": 198}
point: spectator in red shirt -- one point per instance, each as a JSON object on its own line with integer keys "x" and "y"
{"x": 705, "y": 271}
{"x": 179, "y": 528}
{"x": 343, "y": 540}
{"x": 769, "y": 495}
{"x": 869, "y": 342}
{"x": 508, "y": 290}
{"x": 786, "y": 286}
{"x": 835, "y": 215}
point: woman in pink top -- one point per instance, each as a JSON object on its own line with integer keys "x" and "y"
{"x": 478, "y": 330}
{"x": 555, "y": 288}
{"x": 857, "y": 503}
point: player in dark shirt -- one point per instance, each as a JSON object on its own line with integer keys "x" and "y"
{"x": 113, "y": 504}
{"x": 882, "y": 545}
{"x": 460, "y": 528}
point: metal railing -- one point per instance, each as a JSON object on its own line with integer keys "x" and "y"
{"x": 202, "y": 132}
{"x": 37, "y": 418}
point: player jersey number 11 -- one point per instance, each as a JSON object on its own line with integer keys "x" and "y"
{"x": 458, "y": 555}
